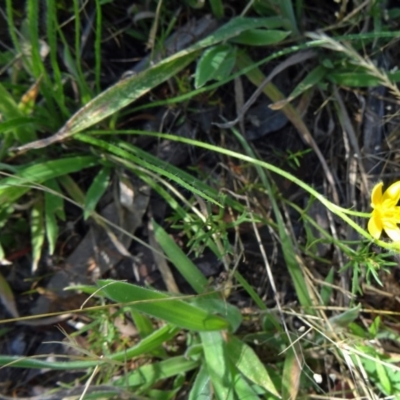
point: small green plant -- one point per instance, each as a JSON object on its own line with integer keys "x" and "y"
{"x": 67, "y": 141}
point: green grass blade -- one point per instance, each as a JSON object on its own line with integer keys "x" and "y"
{"x": 159, "y": 167}
{"x": 7, "y": 296}
{"x": 192, "y": 183}
{"x": 96, "y": 191}
{"x": 341, "y": 212}
{"x": 11, "y": 26}
{"x": 250, "y": 291}
{"x": 146, "y": 376}
{"x": 287, "y": 11}
{"x": 32, "y": 11}
{"x": 97, "y": 45}
{"x": 37, "y": 230}
{"x": 15, "y": 123}
{"x": 72, "y": 188}
{"x": 85, "y": 91}
{"x": 314, "y": 77}
{"x": 36, "y": 64}
{"x": 146, "y": 345}
{"x": 326, "y": 290}
{"x": 217, "y": 8}
{"x": 163, "y": 306}
{"x": 359, "y": 78}
{"x": 126, "y": 92}
{"x": 143, "y": 323}
{"x": 289, "y": 251}
{"x": 130, "y": 89}
{"x": 260, "y": 37}
{"x": 54, "y": 207}
{"x": 181, "y": 262}
{"x": 13, "y": 187}
{"x": 51, "y": 31}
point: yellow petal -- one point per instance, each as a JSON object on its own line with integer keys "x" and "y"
{"x": 393, "y": 233}
{"x": 392, "y": 192}
{"x": 376, "y": 195}
{"x": 375, "y": 226}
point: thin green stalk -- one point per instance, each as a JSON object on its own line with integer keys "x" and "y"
{"x": 36, "y": 61}
{"x": 33, "y": 21}
{"x": 146, "y": 345}
{"x": 97, "y": 45}
{"x": 11, "y": 26}
{"x": 81, "y": 80}
{"x": 51, "y": 31}
{"x": 341, "y": 212}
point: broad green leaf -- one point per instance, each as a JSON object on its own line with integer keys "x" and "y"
{"x": 201, "y": 388}
{"x": 215, "y": 63}
{"x": 12, "y": 188}
{"x": 148, "y": 375}
{"x": 248, "y": 363}
{"x": 54, "y": 207}
{"x": 37, "y": 230}
{"x": 182, "y": 263}
{"x": 218, "y": 364}
{"x": 162, "y": 306}
{"x": 96, "y": 191}
{"x": 260, "y": 37}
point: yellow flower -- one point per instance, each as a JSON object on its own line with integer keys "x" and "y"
{"x": 386, "y": 213}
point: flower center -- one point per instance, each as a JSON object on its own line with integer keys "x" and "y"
{"x": 389, "y": 212}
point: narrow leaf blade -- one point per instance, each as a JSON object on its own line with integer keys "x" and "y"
{"x": 96, "y": 191}
{"x": 160, "y": 305}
